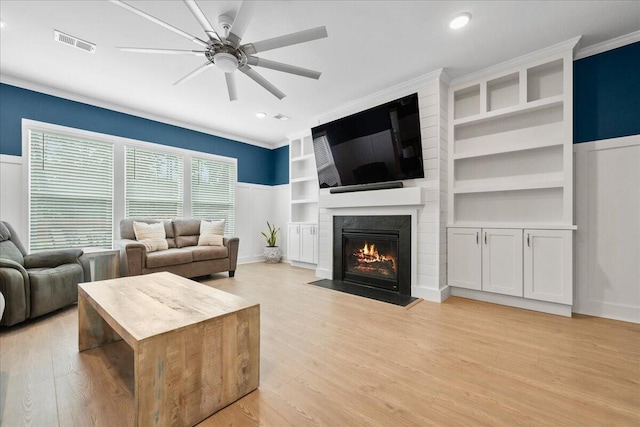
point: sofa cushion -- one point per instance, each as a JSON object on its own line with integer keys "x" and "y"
{"x": 127, "y": 232}
{"x": 169, "y": 257}
{"x": 203, "y": 253}
{"x": 211, "y": 233}
{"x": 151, "y": 235}
{"x": 186, "y": 232}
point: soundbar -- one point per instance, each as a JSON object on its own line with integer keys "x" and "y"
{"x": 366, "y": 187}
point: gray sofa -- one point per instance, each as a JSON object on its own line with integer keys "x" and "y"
{"x": 38, "y": 283}
{"x": 184, "y": 257}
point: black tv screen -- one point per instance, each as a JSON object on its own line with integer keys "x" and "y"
{"x": 376, "y": 145}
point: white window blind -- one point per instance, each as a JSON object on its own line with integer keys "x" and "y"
{"x": 71, "y": 192}
{"x": 213, "y": 191}
{"x": 153, "y": 185}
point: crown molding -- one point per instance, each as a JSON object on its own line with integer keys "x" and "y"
{"x": 555, "y": 49}
{"x": 608, "y": 45}
{"x": 280, "y": 144}
{"x": 47, "y": 90}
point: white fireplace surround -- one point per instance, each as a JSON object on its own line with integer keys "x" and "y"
{"x": 400, "y": 201}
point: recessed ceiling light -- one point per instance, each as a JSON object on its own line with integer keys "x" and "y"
{"x": 2, "y": 24}
{"x": 261, "y": 115}
{"x": 460, "y": 21}
{"x": 282, "y": 117}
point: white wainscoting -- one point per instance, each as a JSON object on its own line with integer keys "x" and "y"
{"x": 607, "y": 177}
{"x": 255, "y": 204}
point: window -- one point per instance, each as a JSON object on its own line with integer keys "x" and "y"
{"x": 71, "y": 192}
{"x": 153, "y": 185}
{"x": 82, "y": 184}
{"x": 213, "y": 184}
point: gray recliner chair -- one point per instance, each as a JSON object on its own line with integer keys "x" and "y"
{"x": 38, "y": 283}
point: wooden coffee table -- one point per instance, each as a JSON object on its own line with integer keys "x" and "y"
{"x": 196, "y": 349}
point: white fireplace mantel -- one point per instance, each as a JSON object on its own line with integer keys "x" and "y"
{"x": 396, "y": 197}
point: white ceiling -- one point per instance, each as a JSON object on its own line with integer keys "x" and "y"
{"x": 372, "y": 45}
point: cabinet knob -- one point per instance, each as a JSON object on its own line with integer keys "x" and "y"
{"x": 528, "y": 239}
{"x": 477, "y": 237}
{"x": 485, "y": 237}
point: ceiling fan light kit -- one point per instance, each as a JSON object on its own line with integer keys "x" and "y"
{"x": 223, "y": 49}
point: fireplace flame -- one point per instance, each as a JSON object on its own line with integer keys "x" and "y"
{"x": 369, "y": 255}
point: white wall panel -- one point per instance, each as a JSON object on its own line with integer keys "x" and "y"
{"x": 608, "y": 237}
{"x": 12, "y": 194}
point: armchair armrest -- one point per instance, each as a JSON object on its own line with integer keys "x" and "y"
{"x": 232, "y": 244}
{"x": 53, "y": 258}
{"x": 132, "y": 256}
{"x": 15, "y": 286}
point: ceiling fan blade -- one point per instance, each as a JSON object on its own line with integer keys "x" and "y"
{"x": 253, "y": 75}
{"x": 202, "y": 20}
{"x": 241, "y": 22}
{"x": 231, "y": 86}
{"x": 193, "y": 73}
{"x": 159, "y": 22}
{"x": 165, "y": 51}
{"x": 286, "y": 68}
{"x": 286, "y": 40}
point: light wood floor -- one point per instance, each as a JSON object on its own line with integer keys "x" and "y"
{"x": 333, "y": 359}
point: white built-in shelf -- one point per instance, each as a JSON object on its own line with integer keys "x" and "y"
{"x": 303, "y": 179}
{"x": 302, "y": 158}
{"x": 514, "y": 110}
{"x": 301, "y": 201}
{"x": 514, "y": 186}
{"x": 521, "y": 146}
{"x": 509, "y": 134}
{"x": 510, "y": 167}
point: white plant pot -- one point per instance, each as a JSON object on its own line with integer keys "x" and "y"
{"x": 272, "y": 254}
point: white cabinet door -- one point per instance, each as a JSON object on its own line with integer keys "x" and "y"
{"x": 308, "y": 243}
{"x": 293, "y": 246}
{"x": 502, "y": 261}
{"x": 548, "y": 266}
{"x": 464, "y": 268}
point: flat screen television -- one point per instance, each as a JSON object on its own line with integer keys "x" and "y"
{"x": 380, "y": 144}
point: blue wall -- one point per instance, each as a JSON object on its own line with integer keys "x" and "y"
{"x": 606, "y": 95}
{"x": 255, "y": 164}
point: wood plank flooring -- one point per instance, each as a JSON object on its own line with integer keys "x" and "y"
{"x": 333, "y": 359}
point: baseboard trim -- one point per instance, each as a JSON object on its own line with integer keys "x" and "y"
{"x": 527, "y": 304}
{"x": 434, "y": 295}
{"x": 303, "y": 265}
{"x": 324, "y": 273}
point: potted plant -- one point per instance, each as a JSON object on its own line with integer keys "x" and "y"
{"x": 272, "y": 252}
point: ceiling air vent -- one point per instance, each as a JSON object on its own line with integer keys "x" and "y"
{"x": 73, "y": 41}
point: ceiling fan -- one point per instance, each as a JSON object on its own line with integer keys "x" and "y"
{"x": 225, "y": 51}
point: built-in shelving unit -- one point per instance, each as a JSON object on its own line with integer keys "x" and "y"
{"x": 304, "y": 192}
{"x": 303, "y": 180}
{"x": 510, "y": 145}
{"x": 510, "y": 162}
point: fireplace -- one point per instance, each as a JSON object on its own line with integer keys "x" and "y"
{"x": 373, "y": 251}
{"x": 371, "y": 258}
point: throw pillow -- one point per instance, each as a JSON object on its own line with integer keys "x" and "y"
{"x": 211, "y": 233}
{"x": 152, "y": 236}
